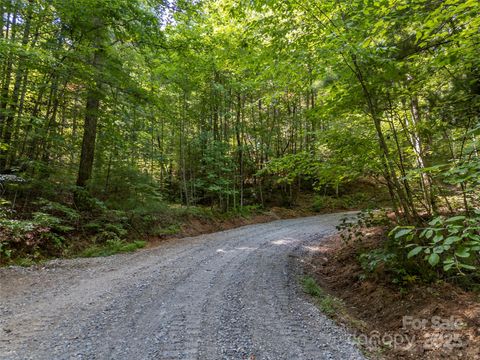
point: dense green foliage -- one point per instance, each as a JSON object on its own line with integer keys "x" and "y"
{"x": 110, "y": 109}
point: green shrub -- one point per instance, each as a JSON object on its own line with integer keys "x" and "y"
{"x": 43, "y": 234}
{"x": 93, "y": 226}
{"x": 168, "y": 230}
{"x": 52, "y": 222}
{"x": 104, "y": 237}
{"x": 18, "y": 237}
{"x": 60, "y": 210}
{"x": 325, "y": 203}
{"x": 310, "y": 287}
{"x": 116, "y": 228}
{"x": 446, "y": 248}
{"x": 389, "y": 257}
{"x": 86, "y": 202}
{"x": 351, "y": 227}
{"x": 449, "y": 245}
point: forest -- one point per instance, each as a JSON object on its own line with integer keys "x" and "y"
{"x": 117, "y": 117}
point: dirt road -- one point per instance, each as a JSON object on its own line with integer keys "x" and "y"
{"x": 229, "y": 295}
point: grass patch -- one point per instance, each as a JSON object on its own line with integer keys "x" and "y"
{"x": 328, "y": 304}
{"x": 332, "y": 306}
{"x": 112, "y": 247}
{"x": 168, "y": 230}
{"x": 24, "y": 262}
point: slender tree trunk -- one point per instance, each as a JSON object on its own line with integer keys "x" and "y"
{"x": 4, "y": 91}
{"x": 425, "y": 179}
{"x": 182, "y": 149}
{"x": 19, "y": 77}
{"x": 396, "y": 194}
{"x": 238, "y": 132}
{"x": 89, "y": 138}
{"x": 12, "y": 155}
{"x": 2, "y": 15}
{"x": 90, "y": 125}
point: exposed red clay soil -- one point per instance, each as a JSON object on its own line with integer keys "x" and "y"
{"x": 438, "y": 321}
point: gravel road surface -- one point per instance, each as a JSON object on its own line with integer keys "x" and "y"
{"x": 228, "y": 295}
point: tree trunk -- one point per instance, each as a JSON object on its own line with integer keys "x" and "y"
{"x": 238, "y": 133}
{"x": 89, "y": 137}
{"x": 90, "y": 125}
{"x": 182, "y": 148}
{"x": 4, "y": 92}
{"x": 396, "y": 194}
{"x": 19, "y": 77}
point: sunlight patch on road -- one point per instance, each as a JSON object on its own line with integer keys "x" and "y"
{"x": 285, "y": 241}
{"x": 243, "y": 248}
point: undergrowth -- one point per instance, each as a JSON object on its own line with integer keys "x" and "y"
{"x": 443, "y": 248}
{"x": 75, "y": 222}
{"x": 112, "y": 247}
{"x": 327, "y": 303}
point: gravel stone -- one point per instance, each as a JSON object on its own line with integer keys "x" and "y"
{"x": 229, "y": 295}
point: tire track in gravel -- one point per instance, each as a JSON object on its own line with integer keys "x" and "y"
{"x": 228, "y": 295}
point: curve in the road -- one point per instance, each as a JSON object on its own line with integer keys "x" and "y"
{"x": 228, "y": 295}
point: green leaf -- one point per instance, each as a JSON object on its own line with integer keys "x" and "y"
{"x": 433, "y": 259}
{"x": 414, "y": 251}
{"x": 468, "y": 267}
{"x": 452, "y": 239}
{"x": 436, "y": 221}
{"x": 463, "y": 253}
{"x": 438, "y": 249}
{"x": 403, "y": 231}
{"x": 455, "y": 219}
{"x": 447, "y": 267}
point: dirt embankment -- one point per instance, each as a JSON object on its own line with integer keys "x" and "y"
{"x": 419, "y": 321}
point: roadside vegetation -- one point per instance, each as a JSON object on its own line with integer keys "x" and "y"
{"x": 326, "y": 302}
{"x": 395, "y": 307}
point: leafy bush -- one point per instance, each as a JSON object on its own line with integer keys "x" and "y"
{"x": 103, "y": 237}
{"x": 350, "y": 227}
{"x": 322, "y": 203}
{"x": 447, "y": 248}
{"x": 43, "y": 233}
{"x": 86, "y": 202}
{"x": 60, "y": 210}
{"x": 21, "y": 237}
{"x": 450, "y": 245}
{"x": 358, "y": 200}
{"x": 52, "y": 222}
{"x": 46, "y": 231}
{"x": 389, "y": 258}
